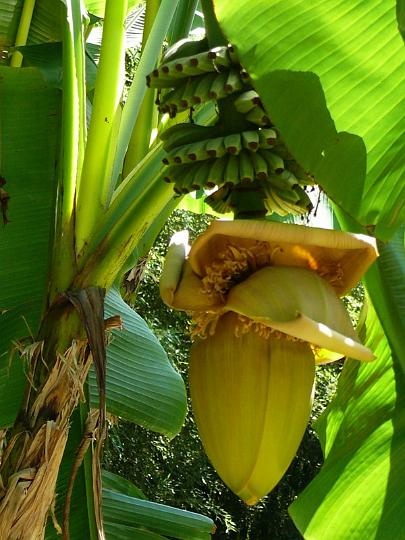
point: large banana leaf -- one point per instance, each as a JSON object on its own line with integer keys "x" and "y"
{"x": 141, "y": 384}
{"x": 128, "y": 517}
{"x": 29, "y": 134}
{"x": 357, "y": 59}
{"x": 359, "y": 492}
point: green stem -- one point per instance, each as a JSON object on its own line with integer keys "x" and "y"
{"x": 107, "y": 260}
{"x": 141, "y": 134}
{"x": 213, "y": 31}
{"x": 22, "y": 32}
{"x": 138, "y": 87}
{"x": 63, "y": 263}
{"x": 182, "y": 20}
{"x": 96, "y": 174}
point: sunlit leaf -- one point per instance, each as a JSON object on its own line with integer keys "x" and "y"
{"x": 359, "y": 492}
{"x": 359, "y": 57}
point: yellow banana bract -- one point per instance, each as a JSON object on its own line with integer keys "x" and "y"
{"x": 251, "y": 399}
{"x": 293, "y": 245}
{"x": 301, "y": 304}
{"x": 265, "y": 305}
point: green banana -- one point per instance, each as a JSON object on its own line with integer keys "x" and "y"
{"x": 155, "y": 80}
{"x": 246, "y": 168}
{"x": 172, "y": 101}
{"x": 289, "y": 206}
{"x": 220, "y": 56}
{"x": 302, "y": 176}
{"x": 217, "y": 90}
{"x": 247, "y": 101}
{"x": 288, "y": 195}
{"x": 202, "y": 62}
{"x": 189, "y": 89}
{"x": 185, "y": 47}
{"x": 304, "y": 200}
{"x": 258, "y": 116}
{"x": 233, "y": 143}
{"x": 231, "y": 172}
{"x": 274, "y": 161}
{"x": 215, "y": 148}
{"x": 244, "y": 75}
{"x": 170, "y": 173}
{"x": 173, "y": 69}
{"x": 202, "y": 90}
{"x": 271, "y": 204}
{"x": 200, "y": 173}
{"x": 250, "y": 140}
{"x": 219, "y": 200}
{"x": 197, "y": 151}
{"x": 179, "y": 155}
{"x": 216, "y": 172}
{"x": 181, "y": 134}
{"x": 178, "y": 179}
{"x": 285, "y": 180}
{"x": 233, "y": 55}
{"x": 260, "y": 166}
{"x": 267, "y": 137}
{"x": 233, "y": 82}
{"x": 184, "y": 179}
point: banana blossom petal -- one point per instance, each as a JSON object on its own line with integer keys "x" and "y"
{"x": 299, "y": 303}
{"x": 251, "y": 399}
{"x": 295, "y": 245}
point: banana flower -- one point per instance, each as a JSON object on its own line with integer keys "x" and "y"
{"x": 264, "y": 300}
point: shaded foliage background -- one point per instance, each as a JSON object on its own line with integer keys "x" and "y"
{"x": 177, "y": 472}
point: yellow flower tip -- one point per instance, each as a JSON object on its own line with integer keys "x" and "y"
{"x": 250, "y": 501}
{"x": 251, "y": 398}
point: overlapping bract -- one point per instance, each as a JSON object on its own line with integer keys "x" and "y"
{"x": 264, "y": 298}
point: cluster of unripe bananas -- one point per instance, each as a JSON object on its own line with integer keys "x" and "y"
{"x": 242, "y": 156}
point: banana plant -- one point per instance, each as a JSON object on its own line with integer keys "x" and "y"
{"x": 81, "y": 195}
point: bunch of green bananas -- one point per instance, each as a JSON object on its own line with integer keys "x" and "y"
{"x": 245, "y": 160}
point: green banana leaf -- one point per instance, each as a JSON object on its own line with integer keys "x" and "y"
{"x": 309, "y": 58}
{"x": 135, "y": 513}
{"x": 29, "y": 135}
{"x": 118, "y": 483}
{"x": 141, "y": 384}
{"x": 359, "y": 492}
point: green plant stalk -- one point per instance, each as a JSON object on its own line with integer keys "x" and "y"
{"x": 131, "y": 190}
{"x": 23, "y": 31}
{"x": 138, "y": 86}
{"x": 107, "y": 260}
{"x": 128, "y": 193}
{"x": 213, "y": 31}
{"x": 141, "y": 134}
{"x": 80, "y": 64}
{"x": 96, "y": 178}
{"x": 182, "y": 20}
{"x": 63, "y": 262}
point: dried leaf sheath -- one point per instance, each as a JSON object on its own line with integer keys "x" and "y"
{"x": 249, "y": 394}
